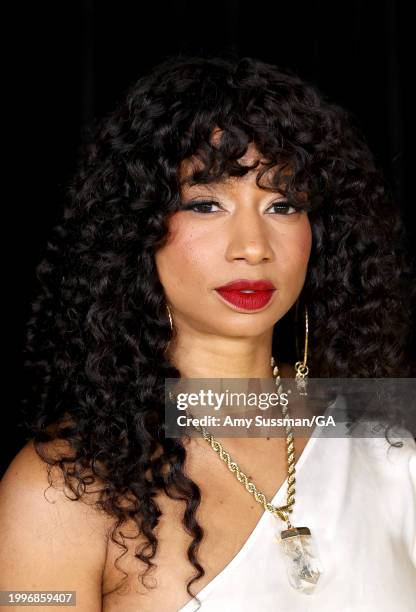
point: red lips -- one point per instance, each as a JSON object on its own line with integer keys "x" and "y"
{"x": 240, "y": 284}
{"x": 233, "y": 292}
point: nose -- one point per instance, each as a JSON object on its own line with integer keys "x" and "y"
{"x": 248, "y": 238}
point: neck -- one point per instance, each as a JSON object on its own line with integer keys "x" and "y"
{"x": 217, "y": 357}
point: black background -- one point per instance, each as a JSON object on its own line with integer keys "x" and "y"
{"x": 67, "y": 62}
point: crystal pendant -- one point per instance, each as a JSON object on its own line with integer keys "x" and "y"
{"x": 303, "y": 565}
{"x": 302, "y": 386}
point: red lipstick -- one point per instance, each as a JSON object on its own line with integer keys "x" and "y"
{"x": 247, "y": 294}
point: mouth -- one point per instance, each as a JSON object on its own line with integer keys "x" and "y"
{"x": 246, "y": 299}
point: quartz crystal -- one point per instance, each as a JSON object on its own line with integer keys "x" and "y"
{"x": 303, "y": 565}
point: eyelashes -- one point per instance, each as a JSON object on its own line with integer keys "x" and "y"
{"x": 200, "y": 206}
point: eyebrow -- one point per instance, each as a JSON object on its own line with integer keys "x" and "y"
{"x": 210, "y": 186}
{"x": 219, "y": 181}
{"x": 189, "y": 181}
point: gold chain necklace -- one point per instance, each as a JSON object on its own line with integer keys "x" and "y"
{"x": 303, "y": 565}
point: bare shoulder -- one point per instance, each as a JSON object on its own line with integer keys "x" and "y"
{"x": 48, "y": 540}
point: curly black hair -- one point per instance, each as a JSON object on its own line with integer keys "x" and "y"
{"x": 96, "y": 339}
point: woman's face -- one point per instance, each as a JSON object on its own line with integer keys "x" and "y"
{"x": 238, "y": 235}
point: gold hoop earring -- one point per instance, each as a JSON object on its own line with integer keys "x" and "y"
{"x": 170, "y": 317}
{"x": 301, "y": 368}
{"x": 171, "y": 326}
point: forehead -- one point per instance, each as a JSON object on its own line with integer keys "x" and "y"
{"x": 191, "y": 165}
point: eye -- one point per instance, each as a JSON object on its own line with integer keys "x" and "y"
{"x": 283, "y": 206}
{"x": 200, "y": 206}
{"x": 204, "y": 207}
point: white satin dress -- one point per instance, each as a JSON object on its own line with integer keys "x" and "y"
{"x": 358, "y": 498}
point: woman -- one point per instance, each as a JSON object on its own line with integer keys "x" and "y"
{"x": 212, "y": 171}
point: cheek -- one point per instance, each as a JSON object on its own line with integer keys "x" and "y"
{"x": 295, "y": 247}
{"x": 303, "y": 243}
{"x": 188, "y": 254}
